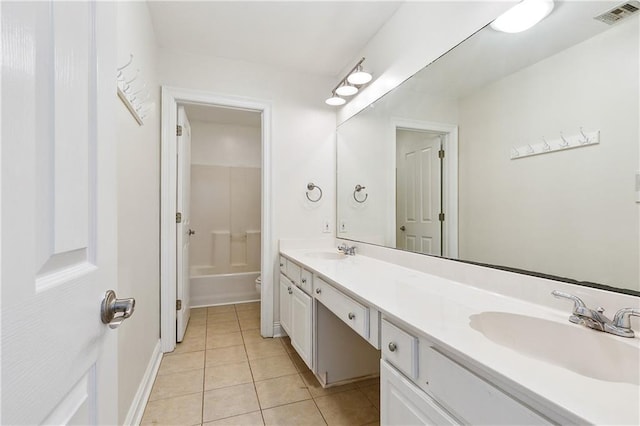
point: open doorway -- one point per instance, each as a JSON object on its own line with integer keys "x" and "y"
{"x": 215, "y": 207}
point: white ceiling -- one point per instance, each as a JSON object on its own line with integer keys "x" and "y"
{"x": 223, "y": 115}
{"x": 319, "y": 37}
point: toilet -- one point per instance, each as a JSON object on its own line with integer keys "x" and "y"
{"x": 259, "y": 283}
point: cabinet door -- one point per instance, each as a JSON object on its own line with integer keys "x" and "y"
{"x": 301, "y": 324}
{"x": 403, "y": 403}
{"x": 286, "y": 288}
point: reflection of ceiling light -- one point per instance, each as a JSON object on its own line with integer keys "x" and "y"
{"x": 335, "y": 100}
{"x": 523, "y": 16}
{"x": 346, "y": 90}
{"x": 349, "y": 85}
{"x": 359, "y": 76}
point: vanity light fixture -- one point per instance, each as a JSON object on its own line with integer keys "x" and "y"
{"x": 523, "y": 16}
{"x": 349, "y": 85}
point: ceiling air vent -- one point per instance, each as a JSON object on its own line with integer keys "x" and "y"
{"x": 619, "y": 12}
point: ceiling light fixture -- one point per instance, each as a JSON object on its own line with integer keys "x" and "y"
{"x": 523, "y": 16}
{"x": 349, "y": 85}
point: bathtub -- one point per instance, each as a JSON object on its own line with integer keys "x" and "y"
{"x": 219, "y": 289}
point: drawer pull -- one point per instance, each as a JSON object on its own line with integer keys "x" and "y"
{"x": 289, "y": 289}
{"x": 351, "y": 315}
{"x": 281, "y": 264}
{"x": 392, "y": 347}
{"x": 318, "y": 290}
{"x": 304, "y": 281}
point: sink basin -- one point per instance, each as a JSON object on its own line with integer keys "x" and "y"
{"x": 329, "y": 255}
{"x": 584, "y": 351}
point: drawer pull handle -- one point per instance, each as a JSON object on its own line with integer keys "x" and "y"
{"x": 281, "y": 265}
{"x": 392, "y": 347}
{"x": 318, "y": 290}
{"x": 351, "y": 315}
{"x": 304, "y": 281}
{"x": 289, "y": 289}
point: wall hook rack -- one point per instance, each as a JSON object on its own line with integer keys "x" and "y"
{"x": 132, "y": 92}
{"x": 311, "y": 187}
{"x": 579, "y": 140}
{"x": 357, "y": 190}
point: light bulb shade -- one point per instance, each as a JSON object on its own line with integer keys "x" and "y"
{"x": 359, "y": 77}
{"x": 347, "y": 90}
{"x": 523, "y": 16}
{"x": 335, "y": 100}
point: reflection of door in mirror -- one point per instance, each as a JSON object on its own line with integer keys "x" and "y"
{"x": 418, "y": 191}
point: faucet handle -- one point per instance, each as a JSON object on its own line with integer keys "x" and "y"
{"x": 622, "y": 318}
{"x": 579, "y": 308}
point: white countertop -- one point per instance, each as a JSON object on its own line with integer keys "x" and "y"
{"x": 440, "y": 309}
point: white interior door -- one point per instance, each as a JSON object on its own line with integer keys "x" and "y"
{"x": 418, "y": 192}
{"x": 59, "y": 361}
{"x": 183, "y": 229}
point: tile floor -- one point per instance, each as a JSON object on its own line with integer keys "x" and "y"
{"x": 225, "y": 373}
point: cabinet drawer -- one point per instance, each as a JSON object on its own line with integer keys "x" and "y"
{"x": 400, "y": 349}
{"x": 348, "y": 310}
{"x": 293, "y": 272}
{"x": 306, "y": 281}
{"x": 471, "y": 398}
{"x": 283, "y": 264}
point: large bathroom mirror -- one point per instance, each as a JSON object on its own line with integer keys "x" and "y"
{"x": 514, "y": 150}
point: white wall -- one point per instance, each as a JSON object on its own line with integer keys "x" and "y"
{"x": 563, "y": 207}
{"x": 138, "y": 207}
{"x": 302, "y": 135}
{"x": 217, "y": 144}
{"x": 417, "y": 34}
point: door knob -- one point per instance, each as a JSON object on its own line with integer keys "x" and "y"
{"x": 191, "y": 232}
{"x": 402, "y": 228}
{"x": 113, "y": 311}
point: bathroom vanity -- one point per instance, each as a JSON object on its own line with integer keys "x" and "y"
{"x": 452, "y": 353}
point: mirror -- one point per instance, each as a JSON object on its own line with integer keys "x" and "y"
{"x": 540, "y": 134}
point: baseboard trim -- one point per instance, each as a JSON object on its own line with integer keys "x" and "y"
{"x": 278, "y": 331}
{"x": 136, "y": 410}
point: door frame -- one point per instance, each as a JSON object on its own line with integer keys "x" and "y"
{"x": 449, "y": 133}
{"x": 171, "y": 96}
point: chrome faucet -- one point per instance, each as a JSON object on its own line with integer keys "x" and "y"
{"x": 349, "y": 251}
{"x": 595, "y": 319}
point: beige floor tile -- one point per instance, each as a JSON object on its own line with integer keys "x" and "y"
{"x": 251, "y": 419}
{"x": 228, "y": 355}
{"x": 197, "y": 312}
{"x": 194, "y": 340}
{"x": 265, "y": 348}
{"x": 181, "y": 410}
{"x": 221, "y": 317}
{"x": 176, "y": 384}
{"x": 347, "y": 408}
{"x": 181, "y": 362}
{"x": 253, "y": 336}
{"x": 224, "y": 340}
{"x": 231, "y": 401}
{"x": 249, "y": 323}
{"x": 253, "y": 313}
{"x": 220, "y": 376}
{"x": 247, "y": 306}
{"x": 286, "y": 343}
{"x": 268, "y": 368}
{"x": 368, "y": 382}
{"x": 298, "y": 362}
{"x": 316, "y": 389}
{"x": 221, "y": 308}
{"x": 222, "y": 327}
{"x": 199, "y": 321}
{"x": 372, "y": 393}
{"x": 299, "y": 413}
{"x": 281, "y": 390}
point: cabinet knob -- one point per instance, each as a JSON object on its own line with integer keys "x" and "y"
{"x": 351, "y": 315}
{"x": 304, "y": 280}
{"x": 318, "y": 290}
{"x": 289, "y": 290}
{"x": 392, "y": 347}
{"x": 281, "y": 265}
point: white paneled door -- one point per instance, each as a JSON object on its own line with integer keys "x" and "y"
{"x": 183, "y": 230}
{"x": 59, "y": 361}
{"x": 418, "y": 191}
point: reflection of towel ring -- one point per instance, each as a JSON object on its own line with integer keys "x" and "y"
{"x": 311, "y": 187}
{"x": 358, "y": 189}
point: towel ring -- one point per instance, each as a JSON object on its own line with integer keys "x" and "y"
{"x": 358, "y": 189}
{"x": 311, "y": 187}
